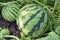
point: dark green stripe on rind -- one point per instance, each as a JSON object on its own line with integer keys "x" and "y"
{"x": 16, "y": 11}
{"x": 48, "y": 18}
{"x": 41, "y": 20}
{"x": 10, "y": 15}
{"x": 43, "y": 28}
{"x": 29, "y": 14}
{"x": 32, "y": 17}
{"x": 12, "y": 12}
{"x": 31, "y": 9}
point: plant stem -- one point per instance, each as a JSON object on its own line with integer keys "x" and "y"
{"x": 6, "y": 36}
{"x": 53, "y": 14}
{"x": 54, "y": 7}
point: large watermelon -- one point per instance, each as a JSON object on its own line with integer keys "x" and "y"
{"x": 33, "y": 20}
{"x": 10, "y": 11}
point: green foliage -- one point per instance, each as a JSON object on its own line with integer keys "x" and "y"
{"x": 56, "y": 13}
{"x": 58, "y": 8}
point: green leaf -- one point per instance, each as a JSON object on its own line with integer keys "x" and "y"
{"x": 58, "y": 1}
{"x": 53, "y": 34}
{"x": 52, "y": 38}
{"x": 49, "y": 38}
{"x": 57, "y": 30}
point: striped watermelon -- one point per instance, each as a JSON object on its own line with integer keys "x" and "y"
{"x": 10, "y": 11}
{"x": 33, "y": 20}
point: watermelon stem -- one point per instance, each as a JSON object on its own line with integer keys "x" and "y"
{"x": 54, "y": 6}
{"x": 51, "y": 26}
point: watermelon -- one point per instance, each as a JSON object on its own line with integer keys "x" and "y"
{"x": 33, "y": 20}
{"x": 5, "y": 31}
{"x": 10, "y": 11}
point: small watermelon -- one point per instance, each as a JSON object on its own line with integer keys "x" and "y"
{"x": 10, "y": 11}
{"x": 5, "y": 31}
{"x": 33, "y": 20}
